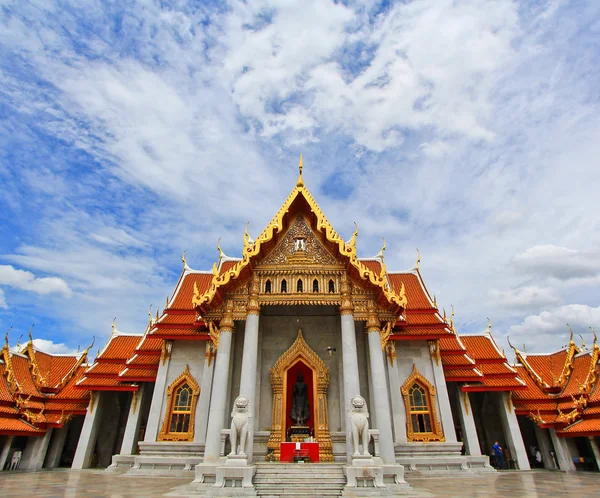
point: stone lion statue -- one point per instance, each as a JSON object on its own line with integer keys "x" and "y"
{"x": 239, "y": 424}
{"x": 359, "y": 418}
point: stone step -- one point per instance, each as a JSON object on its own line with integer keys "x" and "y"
{"x": 273, "y": 480}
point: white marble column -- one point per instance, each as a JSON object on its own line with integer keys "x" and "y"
{"x": 467, "y": 423}
{"x": 159, "y": 395}
{"x": 350, "y": 373}
{"x": 249, "y": 366}
{"x": 563, "y": 455}
{"x": 380, "y": 389}
{"x": 35, "y": 451}
{"x": 512, "y": 432}
{"x": 442, "y": 397}
{"x": 398, "y": 410}
{"x": 57, "y": 445}
{"x": 595, "y": 450}
{"x": 203, "y": 406}
{"x": 134, "y": 419}
{"x": 89, "y": 431}
{"x": 543, "y": 440}
{"x": 5, "y": 451}
{"x": 218, "y": 398}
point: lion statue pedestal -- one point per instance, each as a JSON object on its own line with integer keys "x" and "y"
{"x": 235, "y": 477}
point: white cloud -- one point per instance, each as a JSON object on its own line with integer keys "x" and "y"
{"x": 48, "y": 346}
{"x": 526, "y": 297}
{"x": 3, "y": 303}
{"x": 549, "y": 328}
{"x": 558, "y": 262}
{"x": 25, "y": 280}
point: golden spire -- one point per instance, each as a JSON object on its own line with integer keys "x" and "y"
{"x": 300, "y": 182}
{"x": 185, "y": 265}
{"x": 418, "y": 259}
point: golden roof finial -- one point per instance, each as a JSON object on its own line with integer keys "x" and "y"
{"x": 185, "y": 265}
{"x": 6, "y": 336}
{"x": 19, "y": 343}
{"x": 452, "y": 318}
{"x": 221, "y": 253}
{"x": 444, "y": 315}
{"x": 150, "y": 319}
{"x": 418, "y": 259}
{"x": 30, "y": 336}
{"x": 156, "y": 314}
{"x": 167, "y": 302}
{"x": 510, "y": 344}
{"x": 594, "y": 332}
{"x": 582, "y": 341}
{"x": 571, "y": 341}
{"x": 489, "y": 326}
{"x": 435, "y": 301}
{"x": 113, "y": 326}
{"x": 352, "y": 241}
{"x": 380, "y": 254}
{"x": 300, "y": 182}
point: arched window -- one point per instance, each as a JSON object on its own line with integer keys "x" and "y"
{"x": 299, "y": 285}
{"x": 268, "y": 287}
{"x": 315, "y": 285}
{"x": 182, "y": 396}
{"x": 331, "y": 286}
{"x": 421, "y": 416}
{"x": 284, "y": 285}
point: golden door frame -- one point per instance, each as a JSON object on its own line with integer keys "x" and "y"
{"x": 300, "y": 351}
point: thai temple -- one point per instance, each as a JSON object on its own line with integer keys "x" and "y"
{"x": 298, "y": 351}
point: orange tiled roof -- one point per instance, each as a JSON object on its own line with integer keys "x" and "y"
{"x": 462, "y": 374}
{"x": 373, "y": 265}
{"x": 104, "y": 370}
{"x": 585, "y": 427}
{"x": 53, "y": 368}
{"x": 5, "y": 394}
{"x": 149, "y": 345}
{"x": 582, "y": 367}
{"x": 177, "y": 318}
{"x": 497, "y": 384}
{"x": 120, "y": 347}
{"x": 182, "y": 298}
{"x": 456, "y": 360}
{"x": 23, "y": 375}
{"x": 137, "y": 375}
{"x": 482, "y": 348}
{"x": 533, "y": 392}
{"x": 497, "y": 369}
{"x": 451, "y": 344}
{"x": 97, "y": 383}
{"x": 416, "y": 294}
{"x": 143, "y": 361}
{"x": 15, "y": 426}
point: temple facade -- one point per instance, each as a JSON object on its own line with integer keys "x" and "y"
{"x": 294, "y": 330}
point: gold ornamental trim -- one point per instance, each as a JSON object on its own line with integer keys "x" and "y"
{"x": 437, "y": 433}
{"x": 164, "y": 434}
{"x": 252, "y": 248}
{"x": 300, "y": 351}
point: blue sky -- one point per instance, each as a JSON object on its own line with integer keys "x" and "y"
{"x": 131, "y": 131}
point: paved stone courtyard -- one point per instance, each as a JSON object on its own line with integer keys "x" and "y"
{"x": 100, "y": 484}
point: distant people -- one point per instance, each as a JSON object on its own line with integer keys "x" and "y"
{"x": 538, "y": 458}
{"x": 500, "y": 462}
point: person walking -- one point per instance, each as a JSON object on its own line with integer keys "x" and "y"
{"x": 500, "y": 462}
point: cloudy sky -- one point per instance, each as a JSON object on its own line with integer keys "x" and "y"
{"x": 130, "y": 131}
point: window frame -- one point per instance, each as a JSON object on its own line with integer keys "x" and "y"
{"x": 428, "y": 390}
{"x": 170, "y": 408}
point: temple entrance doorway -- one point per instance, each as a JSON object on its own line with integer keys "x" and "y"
{"x": 299, "y": 380}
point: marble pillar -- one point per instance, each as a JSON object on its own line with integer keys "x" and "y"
{"x": 350, "y": 373}
{"x": 89, "y": 431}
{"x": 57, "y": 445}
{"x": 398, "y": 410}
{"x": 545, "y": 446}
{"x": 203, "y": 406}
{"x": 35, "y": 450}
{"x": 380, "y": 397}
{"x": 216, "y": 417}
{"x": 595, "y": 450}
{"x": 442, "y": 398}
{"x": 249, "y": 373}
{"x": 5, "y": 451}
{"x": 134, "y": 419}
{"x": 563, "y": 455}
{"x": 467, "y": 422}
{"x": 159, "y": 395}
{"x": 512, "y": 431}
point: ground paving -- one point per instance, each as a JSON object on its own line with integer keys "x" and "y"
{"x": 101, "y": 484}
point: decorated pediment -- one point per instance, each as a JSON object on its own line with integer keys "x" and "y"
{"x": 299, "y": 246}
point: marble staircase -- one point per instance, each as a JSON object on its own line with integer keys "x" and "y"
{"x": 273, "y": 480}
